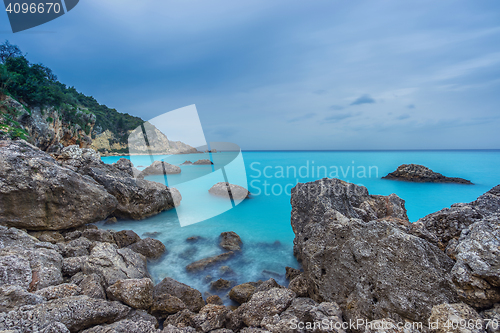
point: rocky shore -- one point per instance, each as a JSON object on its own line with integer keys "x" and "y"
{"x": 362, "y": 259}
{"x": 422, "y": 174}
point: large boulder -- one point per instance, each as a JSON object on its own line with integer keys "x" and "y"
{"x": 242, "y": 293}
{"x": 422, "y": 174}
{"x": 149, "y": 247}
{"x": 137, "y": 293}
{"x": 36, "y": 193}
{"x": 113, "y": 264}
{"x": 229, "y": 240}
{"x": 191, "y": 297}
{"x": 226, "y": 190}
{"x": 371, "y": 269}
{"x": 12, "y": 297}
{"x": 76, "y": 313}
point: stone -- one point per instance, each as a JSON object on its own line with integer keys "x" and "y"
{"x": 214, "y": 299}
{"x": 265, "y": 304}
{"x": 203, "y": 162}
{"x": 173, "y": 329}
{"x": 242, "y": 293}
{"x": 220, "y": 284}
{"x": 75, "y": 248}
{"x": 59, "y": 291}
{"x": 136, "y": 293}
{"x": 235, "y": 191}
{"x": 299, "y": 285}
{"x": 125, "y": 238}
{"x": 211, "y": 317}
{"x": 76, "y": 313}
{"x": 291, "y": 273}
{"x": 141, "y": 315}
{"x": 12, "y": 297}
{"x": 48, "y": 236}
{"x": 51, "y": 197}
{"x": 91, "y": 286}
{"x": 372, "y": 269}
{"x": 451, "y": 318}
{"x": 191, "y": 297}
{"x": 492, "y": 319}
{"x": 421, "y": 174}
{"x": 15, "y": 270}
{"x": 149, "y": 247}
{"x": 476, "y": 273}
{"x": 225, "y": 271}
{"x": 113, "y": 264}
{"x": 267, "y": 285}
{"x": 124, "y": 326}
{"x": 124, "y": 165}
{"x": 160, "y": 168}
{"x": 388, "y": 325}
{"x": 166, "y": 304}
{"x": 73, "y": 265}
{"x": 98, "y": 235}
{"x": 230, "y": 241}
{"x": 203, "y": 264}
{"x": 182, "y": 319}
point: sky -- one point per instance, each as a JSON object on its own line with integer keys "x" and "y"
{"x": 287, "y": 74}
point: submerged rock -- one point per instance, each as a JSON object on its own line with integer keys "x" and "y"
{"x": 422, "y": 174}
{"x": 220, "y": 284}
{"x": 203, "y": 264}
{"x": 221, "y": 189}
{"x": 230, "y": 241}
{"x": 372, "y": 269}
{"x": 36, "y": 193}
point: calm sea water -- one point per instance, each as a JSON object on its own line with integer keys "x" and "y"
{"x": 263, "y": 221}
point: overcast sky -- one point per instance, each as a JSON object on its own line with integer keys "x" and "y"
{"x": 322, "y": 74}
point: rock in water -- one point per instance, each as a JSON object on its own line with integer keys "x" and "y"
{"x": 230, "y": 241}
{"x": 422, "y": 174}
{"x": 372, "y": 269}
{"x": 36, "y": 193}
{"x": 203, "y": 162}
{"x": 221, "y": 189}
{"x": 160, "y": 168}
{"x": 203, "y": 264}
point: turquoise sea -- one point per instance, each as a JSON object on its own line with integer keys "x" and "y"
{"x": 263, "y": 221}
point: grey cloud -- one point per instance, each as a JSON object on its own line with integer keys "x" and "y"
{"x": 365, "y": 99}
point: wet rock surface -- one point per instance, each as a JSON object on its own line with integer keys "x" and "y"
{"x": 237, "y": 192}
{"x": 422, "y": 174}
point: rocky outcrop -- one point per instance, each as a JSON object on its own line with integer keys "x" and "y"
{"x": 422, "y": 174}
{"x": 355, "y": 252}
{"x": 227, "y": 190}
{"x": 49, "y": 196}
{"x": 137, "y": 198}
{"x": 160, "y": 168}
{"x": 455, "y": 318}
{"x": 230, "y": 241}
{"x": 191, "y": 297}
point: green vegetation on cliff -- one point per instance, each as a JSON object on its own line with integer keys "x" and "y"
{"x": 35, "y": 85}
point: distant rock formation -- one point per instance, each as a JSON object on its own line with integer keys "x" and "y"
{"x": 422, "y": 174}
{"x": 159, "y": 168}
{"x": 223, "y": 189}
{"x": 203, "y": 162}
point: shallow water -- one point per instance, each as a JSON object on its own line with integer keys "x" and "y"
{"x": 263, "y": 221}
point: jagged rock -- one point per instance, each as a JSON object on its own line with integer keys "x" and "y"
{"x": 230, "y": 241}
{"x": 149, "y": 247}
{"x": 214, "y": 299}
{"x": 59, "y": 291}
{"x": 299, "y": 285}
{"x": 242, "y": 293}
{"x": 476, "y": 273}
{"x": 451, "y": 318}
{"x": 203, "y": 162}
{"x": 12, "y": 297}
{"x": 492, "y": 319}
{"x": 187, "y": 163}
{"x": 159, "y": 168}
{"x": 124, "y": 164}
{"x": 182, "y": 319}
{"x": 422, "y": 174}
{"x": 447, "y": 224}
{"x": 142, "y": 315}
{"x": 166, "y": 304}
{"x": 125, "y": 238}
{"x": 220, "y": 284}
{"x": 113, "y": 264}
{"x": 49, "y": 196}
{"x": 388, "y": 325}
{"x": 265, "y": 304}
{"x": 48, "y": 236}
{"x": 267, "y": 285}
{"x": 191, "y": 297}
{"x": 221, "y": 189}
{"x": 75, "y": 248}
{"x": 73, "y": 265}
{"x": 124, "y": 326}
{"x": 137, "y": 293}
{"x": 91, "y": 286}
{"x": 302, "y": 315}
{"x": 98, "y": 235}
{"x": 76, "y": 313}
{"x": 203, "y": 264}
{"x": 211, "y": 317}
{"x": 292, "y": 273}
{"x": 372, "y": 269}
{"x": 15, "y": 270}
{"x": 173, "y": 329}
